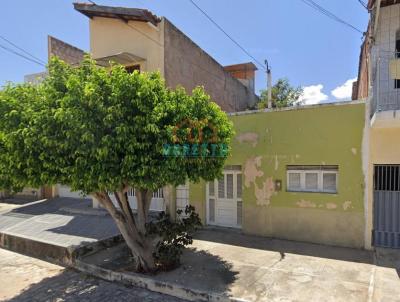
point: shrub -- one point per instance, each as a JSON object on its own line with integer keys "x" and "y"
{"x": 174, "y": 236}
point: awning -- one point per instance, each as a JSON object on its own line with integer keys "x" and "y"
{"x": 123, "y": 58}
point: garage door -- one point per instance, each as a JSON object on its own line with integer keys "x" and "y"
{"x": 65, "y": 191}
{"x": 224, "y": 200}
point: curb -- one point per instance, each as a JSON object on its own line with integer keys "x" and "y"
{"x": 146, "y": 282}
{"x": 47, "y": 251}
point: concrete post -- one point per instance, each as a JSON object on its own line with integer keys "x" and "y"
{"x": 269, "y": 87}
{"x": 170, "y": 200}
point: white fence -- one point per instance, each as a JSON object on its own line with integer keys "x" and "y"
{"x": 157, "y": 203}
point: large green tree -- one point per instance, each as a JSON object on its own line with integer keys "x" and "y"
{"x": 283, "y": 95}
{"x": 103, "y": 131}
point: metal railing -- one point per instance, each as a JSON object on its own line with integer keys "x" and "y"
{"x": 386, "y": 82}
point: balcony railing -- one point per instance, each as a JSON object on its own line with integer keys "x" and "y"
{"x": 386, "y": 82}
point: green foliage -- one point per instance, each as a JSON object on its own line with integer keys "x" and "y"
{"x": 283, "y": 95}
{"x": 17, "y": 104}
{"x": 98, "y": 129}
{"x": 174, "y": 236}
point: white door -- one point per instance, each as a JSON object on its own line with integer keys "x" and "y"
{"x": 65, "y": 191}
{"x": 224, "y": 200}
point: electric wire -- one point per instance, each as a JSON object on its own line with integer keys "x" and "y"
{"x": 23, "y": 50}
{"x": 21, "y": 55}
{"x": 330, "y": 15}
{"x": 228, "y": 35}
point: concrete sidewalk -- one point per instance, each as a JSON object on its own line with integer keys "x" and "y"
{"x": 279, "y": 270}
{"x": 221, "y": 264}
{"x": 55, "y": 229}
{"x": 225, "y": 265}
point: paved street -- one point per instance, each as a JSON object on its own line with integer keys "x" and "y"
{"x": 29, "y": 279}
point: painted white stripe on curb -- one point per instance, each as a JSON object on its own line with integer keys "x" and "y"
{"x": 371, "y": 285}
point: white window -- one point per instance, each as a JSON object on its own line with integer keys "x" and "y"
{"x": 312, "y": 179}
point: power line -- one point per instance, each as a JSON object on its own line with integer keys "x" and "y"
{"x": 21, "y": 55}
{"x": 161, "y": 45}
{"x": 330, "y": 15}
{"x": 23, "y": 50}
{"x": 226, "y": 34}
{"x": 363, "y": 4}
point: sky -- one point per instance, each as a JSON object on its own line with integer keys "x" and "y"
{"x": 300, "y": 44}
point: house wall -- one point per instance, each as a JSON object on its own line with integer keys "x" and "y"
{"x": 388, "y": 24}
{"x": 314, "y": 135}
{"x": 383, "y": 149}
{"x": 168, "y": 50}
{"x": 112, "y": 36}
{"x": 361, "y": 86}
{"x": 186, "y": 64}
{"x": 383, "y": 52}
{"x": 63, "y": 50}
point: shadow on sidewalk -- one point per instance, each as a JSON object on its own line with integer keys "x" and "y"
{"x": 203, "y": 271}
{"x": 233, "y": 237}
{"x": 71, "y": 286}
{"x": 199, "y": 269}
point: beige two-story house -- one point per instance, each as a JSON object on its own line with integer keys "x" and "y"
{"x": 379, "y": 82}
{"x": 139, "y": 40}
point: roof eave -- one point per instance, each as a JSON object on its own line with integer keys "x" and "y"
{"x": 127, "y": 14}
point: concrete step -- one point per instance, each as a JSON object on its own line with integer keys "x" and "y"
{"x": 52, "y": 252}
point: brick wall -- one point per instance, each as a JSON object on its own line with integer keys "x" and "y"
{"x": 186, "y": 64}
{"x": 64, "y": 51}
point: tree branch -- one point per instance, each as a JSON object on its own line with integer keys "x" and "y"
{"x": 118, "y": 200}
{"x": 129, "y": 231}
{"x": 106, "y": 202}
{"x": 122, "y": 197}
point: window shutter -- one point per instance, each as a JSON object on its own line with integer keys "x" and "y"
{"x": 294, "y": 181}
{"x": 329, "y": 182}
{"x": 311, "y": 181}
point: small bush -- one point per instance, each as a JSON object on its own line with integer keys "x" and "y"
{"x": 174, "y": 236}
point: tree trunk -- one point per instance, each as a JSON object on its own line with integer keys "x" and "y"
{"x": 132, "y": 230}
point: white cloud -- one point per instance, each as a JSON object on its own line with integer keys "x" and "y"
{"x": 313, "y": 95}
{"x": 344, "y": 91}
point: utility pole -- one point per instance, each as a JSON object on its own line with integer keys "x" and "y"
{"x": 269, "y": 85}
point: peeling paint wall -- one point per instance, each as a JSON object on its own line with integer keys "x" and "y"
{"x": 266, "y": 142}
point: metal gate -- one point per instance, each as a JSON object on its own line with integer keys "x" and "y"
{"x": 386, "y": 231}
